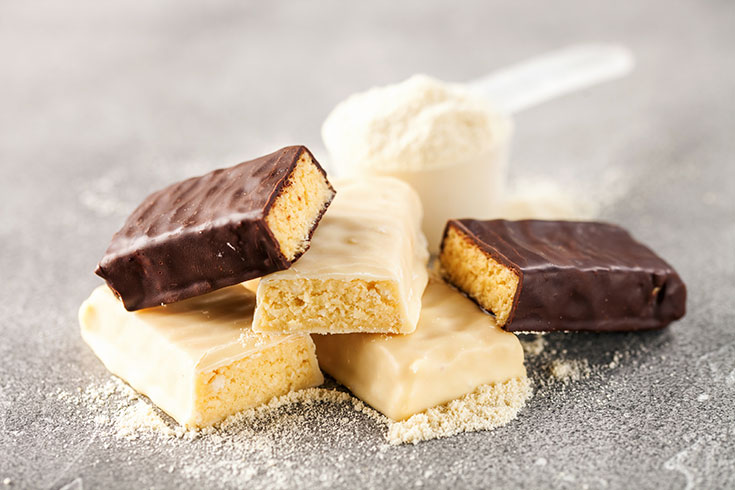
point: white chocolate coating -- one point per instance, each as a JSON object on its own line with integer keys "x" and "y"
{"x": 170, "y": 352}
{"x": 455, "y": 348}
{"x": 371, "y": 232}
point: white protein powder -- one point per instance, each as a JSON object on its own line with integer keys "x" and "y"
{"x": 421, "y": 123}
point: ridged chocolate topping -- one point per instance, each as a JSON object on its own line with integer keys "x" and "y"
{"x": 580, "y": 275}
{"x": 201, "y": 234}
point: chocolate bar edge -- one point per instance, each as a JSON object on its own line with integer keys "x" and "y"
{"x": 279, "y": 189}
{"x": 122, "y": 260}
{"x": 492, "y": 253}
{"x": 671, "y": 280}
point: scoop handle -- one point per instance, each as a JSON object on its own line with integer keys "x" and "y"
{"x": 552, "y": 75}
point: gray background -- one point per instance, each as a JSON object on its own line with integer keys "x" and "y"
{"x": 103, "y": 102}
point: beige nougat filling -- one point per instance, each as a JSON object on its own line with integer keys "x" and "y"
{"x": 466, "y": 266}
{"x": 456, "y": 348}
{"x": 365, "y": 270}
{"x": 285, "y": 367}
{"x": 197, "y": 359}
{"x": 331, "y": 305}
{"x": 300, "y": 203}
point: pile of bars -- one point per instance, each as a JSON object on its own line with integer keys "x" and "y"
{"x": 228, "y": 289}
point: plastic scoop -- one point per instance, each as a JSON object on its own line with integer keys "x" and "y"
{"x": 552, "y": 75}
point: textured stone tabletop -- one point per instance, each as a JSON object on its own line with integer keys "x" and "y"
{"x": 101, "y": 103}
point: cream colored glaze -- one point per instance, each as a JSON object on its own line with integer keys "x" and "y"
{"x": 455, "y": 348}
{"x": 371, "y": 231}
{"x": 159, "y": 351}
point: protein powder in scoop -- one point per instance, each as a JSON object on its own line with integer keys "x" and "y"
{"x": 443, "y": 139}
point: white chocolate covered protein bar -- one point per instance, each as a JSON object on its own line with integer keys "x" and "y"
{"x": 197, "y": 359}
{"x": 455, "y": 348}
{"x": 365, "y": 270}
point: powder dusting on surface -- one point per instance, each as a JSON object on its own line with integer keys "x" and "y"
{"x": 570, "y": 370}
{"x": 551, "y": 366}
{"x": 488, "y": 407}
{"x": 253, "y": 442}
{"x": 283, "y": 443}
{"x": 533, "y": 347}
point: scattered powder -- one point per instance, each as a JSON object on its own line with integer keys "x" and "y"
{"x": 549, "y": 366}
{"x": 95, "y": 395}
{"x": 488, "y": 407}
{"x": 570, "y": 370}
{"x": 139, "y": 416}
{"x": 262, "y": 444}
{"x": 533, "y": 347}
{"x": 254, "y": 443}
{"x": 257, "y": 442}
{"x": 303, "y": 397}
{"x": 617, "y": 357}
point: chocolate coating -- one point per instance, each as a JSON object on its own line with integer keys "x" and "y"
{"x": 201, "y": 234}
{"x": 581, "y": 276}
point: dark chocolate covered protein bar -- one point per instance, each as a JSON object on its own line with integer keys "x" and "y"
{"x": 219, "y": 229}
{"x": 537, "y": 276}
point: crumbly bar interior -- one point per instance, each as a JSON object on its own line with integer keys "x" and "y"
{"x": 473, "y": 271}
{"x": 330, "y": 306}
{"x": 285, "y": 367}
{"x": 301, "y": 201}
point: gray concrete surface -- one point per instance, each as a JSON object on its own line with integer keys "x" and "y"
{"x": 103, "y": 102}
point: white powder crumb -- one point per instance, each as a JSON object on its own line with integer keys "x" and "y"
{"x": 488, "y": 407}
{"x": 703, "y": 397}
{"x": 140, "y": 416}
{"x": 569, "y": 370}
{"x": 533, "y": 347}
{"x": 540, "y": 462}
{"x": 376, "y": 416}
{"x": 7, "y": 482}
{"x": 617, "y": 357}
